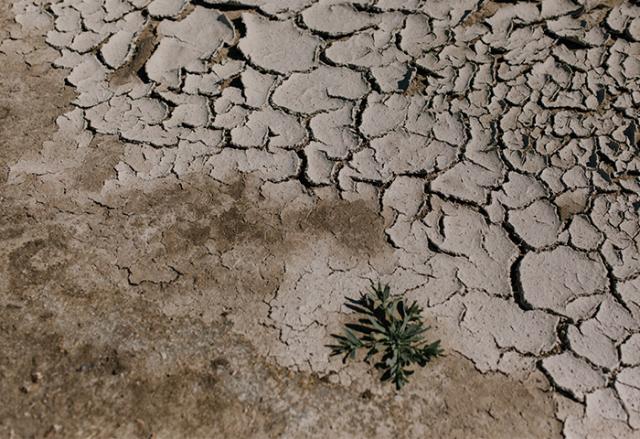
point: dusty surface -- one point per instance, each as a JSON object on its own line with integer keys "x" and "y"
{"x": 189, "y": 189}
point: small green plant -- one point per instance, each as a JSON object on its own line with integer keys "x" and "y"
{"x": 386, "y": 326}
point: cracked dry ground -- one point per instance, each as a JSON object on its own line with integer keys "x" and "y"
{"x": 189, "y": 189}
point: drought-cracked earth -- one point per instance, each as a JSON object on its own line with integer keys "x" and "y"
{"x": 188, "y": 190}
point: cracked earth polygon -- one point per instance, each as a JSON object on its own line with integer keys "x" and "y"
{"x": 188, "y": 190}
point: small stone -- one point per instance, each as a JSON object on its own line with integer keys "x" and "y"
{"x": 36, "y": 377}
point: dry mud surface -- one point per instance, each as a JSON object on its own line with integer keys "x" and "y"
{"x": 189, "y": 189}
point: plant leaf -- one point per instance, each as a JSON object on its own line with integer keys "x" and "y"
{"x": 389, "y": 329}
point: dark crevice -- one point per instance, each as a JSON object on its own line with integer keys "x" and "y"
{"x": 236, "y": 54}
{"x": 516, "y": 285}
{"x": 239, "y": 26}
{"x": 302, "y": 175}
{"x": 404, "y": 83}
{"x": 569, "y": 42}
{"x": 613, "y": 286}
{"x": 141, "y": 73}
{"x": 237, "y": 83}
{"x": 229, "y": 6}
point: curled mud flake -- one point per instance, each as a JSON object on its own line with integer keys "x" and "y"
{"x": 143, "y": 48}
{"x": 115, "y": 51}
